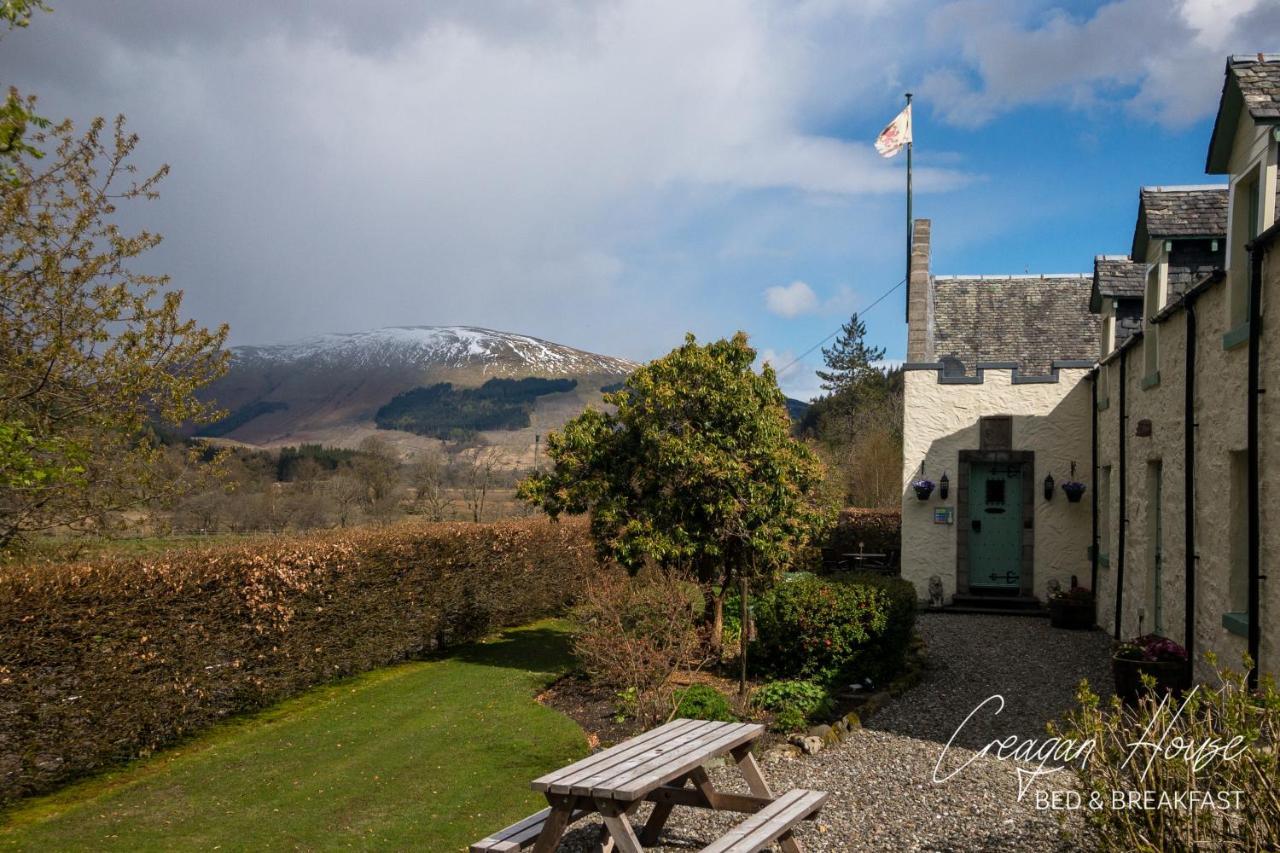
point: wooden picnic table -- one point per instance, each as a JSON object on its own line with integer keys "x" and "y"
{"x": 657, "y": 767}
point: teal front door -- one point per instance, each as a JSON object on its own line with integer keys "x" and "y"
{"x": 995, "y": 526}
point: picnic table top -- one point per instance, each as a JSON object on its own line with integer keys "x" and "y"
{"x": 633, "y": 768}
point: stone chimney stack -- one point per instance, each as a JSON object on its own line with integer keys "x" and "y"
{"x": 919, "y": 297}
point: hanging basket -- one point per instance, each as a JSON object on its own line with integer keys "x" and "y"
{"x": 1074, "y": 491}
{"x": 923, "y": 488}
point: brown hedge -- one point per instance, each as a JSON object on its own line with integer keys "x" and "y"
{"x": 107, "y": 660}
{"x": 875, "y": 530}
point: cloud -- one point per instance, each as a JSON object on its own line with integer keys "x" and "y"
{"x": 1013, "y": 54}
{"x": 590, "y": 171}
{"x": 791, "y": 300}
{"x": 340, "y": 166}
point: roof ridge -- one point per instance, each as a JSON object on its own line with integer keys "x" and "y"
{"x": 1114, "y": 258}
{"x": 1010, "y": 276}
{"x": 1254, "y": 57}
{"x": 1168, "y": 188}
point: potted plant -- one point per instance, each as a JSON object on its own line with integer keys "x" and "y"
{"x": 1153, "y": 655}
{"x": 923, "y": 488}
{"x": 1072, "y": 608}
{"x": 1074, "y": 490}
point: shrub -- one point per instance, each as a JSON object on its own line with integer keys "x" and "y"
{"x": 875, "y": 530}
{"x": 107, "y": 660}
{"x": 1211, "y": 715}
{"x": 814, "y": 628}
{"x": 793, "y": 702}
{"x": 703, "y": 702}
{"x": 634, "y": 634}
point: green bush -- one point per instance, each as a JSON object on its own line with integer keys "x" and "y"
{"x": 704, "y": 702}
{"x": 111, "y": 658}
{"x": 876, "y": 530}
{"x": 793, "y": 702}
{"x": 1213, "y": 714}
{"x": 829, "y": 630}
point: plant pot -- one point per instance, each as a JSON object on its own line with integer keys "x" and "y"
{"x": 1170, "y": 676}
{"x": 923, "y": 493}
{"x": 1072, "y": 615}
{"x": 1073, "y": 493}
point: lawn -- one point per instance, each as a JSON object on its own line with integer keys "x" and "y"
{"x": 429, "y": 755}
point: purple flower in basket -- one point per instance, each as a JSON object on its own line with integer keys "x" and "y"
{"x": 923, "y": 488}
{"x": 1073, "y": 489}
{"x": 1152, "y": 647}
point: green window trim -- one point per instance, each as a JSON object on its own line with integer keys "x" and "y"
{"x": 1151, "y": 381}
{"x": 1236, "y": 623}
{"x": 1237, "y": 337}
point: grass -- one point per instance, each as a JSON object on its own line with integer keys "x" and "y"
{"x": 428, "y": 755}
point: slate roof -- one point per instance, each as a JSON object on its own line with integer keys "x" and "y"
{"x": 1259, "y": 82}
{"x": 1030, "y": 321}
{"x": 1250, "y": 83}
{"x": 1116, "y": 276}
{"x": 1188, "y": 211}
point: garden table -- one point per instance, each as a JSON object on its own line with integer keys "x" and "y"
{"x": 867, "y": 561}
{"x": 657, "y": 767}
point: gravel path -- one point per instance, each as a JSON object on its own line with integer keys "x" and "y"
{"x": 881, "y": 778}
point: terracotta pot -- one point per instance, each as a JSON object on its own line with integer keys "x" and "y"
{"x": 1072, "y": 615}
{"x": 1170, "y": 676}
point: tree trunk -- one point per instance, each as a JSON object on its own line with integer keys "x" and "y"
{"x": 742, "y": 638}
{"x": 716, "y": 601}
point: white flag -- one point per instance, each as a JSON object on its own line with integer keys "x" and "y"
{"x": 896, "y": 135}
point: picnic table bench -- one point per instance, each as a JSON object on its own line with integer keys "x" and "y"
{"x": 657, "y": 767}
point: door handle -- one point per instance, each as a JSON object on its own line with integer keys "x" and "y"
{"x": 977, "y": 525}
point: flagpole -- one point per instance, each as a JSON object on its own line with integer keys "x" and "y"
{"x": 908, "y": 276}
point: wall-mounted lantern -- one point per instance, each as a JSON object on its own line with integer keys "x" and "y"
{"x": 944, "y": 486}
{"x": 1048, "y": 487}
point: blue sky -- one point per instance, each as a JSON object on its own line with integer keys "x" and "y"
{"x": 613, "y": 173}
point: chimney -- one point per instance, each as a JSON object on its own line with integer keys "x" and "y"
{"x": 919, "y": 296}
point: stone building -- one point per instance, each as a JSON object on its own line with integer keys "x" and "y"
{"x": 1149, "y": 376}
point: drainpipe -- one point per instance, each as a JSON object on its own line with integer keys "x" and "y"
{"x": 1093, "y": 448}
{"x": 1189, "y": 490}
{"x": 1124, "y": 505}
{"x": 1255, "y": 519}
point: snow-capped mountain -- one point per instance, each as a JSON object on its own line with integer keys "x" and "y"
{"x": 431, "y": 347}
{"x": 328, "y": 389}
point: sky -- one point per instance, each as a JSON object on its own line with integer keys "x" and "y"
{"x": 611, "y": 174}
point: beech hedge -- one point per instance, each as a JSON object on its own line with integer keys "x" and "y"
{"x": 874, "y": 530}
{"x": 108, "y": 660}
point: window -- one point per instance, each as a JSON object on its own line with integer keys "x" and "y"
{"x": 1242, "y": 228}
{"x": 1104, "y": 516}
{"x": 1155, "y": 546}
{"x": 1152, "y": 303}
{"x": 1238, "y": 579}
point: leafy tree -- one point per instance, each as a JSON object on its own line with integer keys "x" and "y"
{"x": 696, "y": 470}
{"x": 849, "y": 359}
{"x": 17, "y": 113}
{"x": 92, "y": 353}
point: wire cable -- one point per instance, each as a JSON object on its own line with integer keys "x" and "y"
{"x": 861, "y": 313}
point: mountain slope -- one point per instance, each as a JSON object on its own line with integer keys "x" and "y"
{"x": 328, "y": 389}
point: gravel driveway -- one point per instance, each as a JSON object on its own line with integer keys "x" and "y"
{"x": 880, "y": 778}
